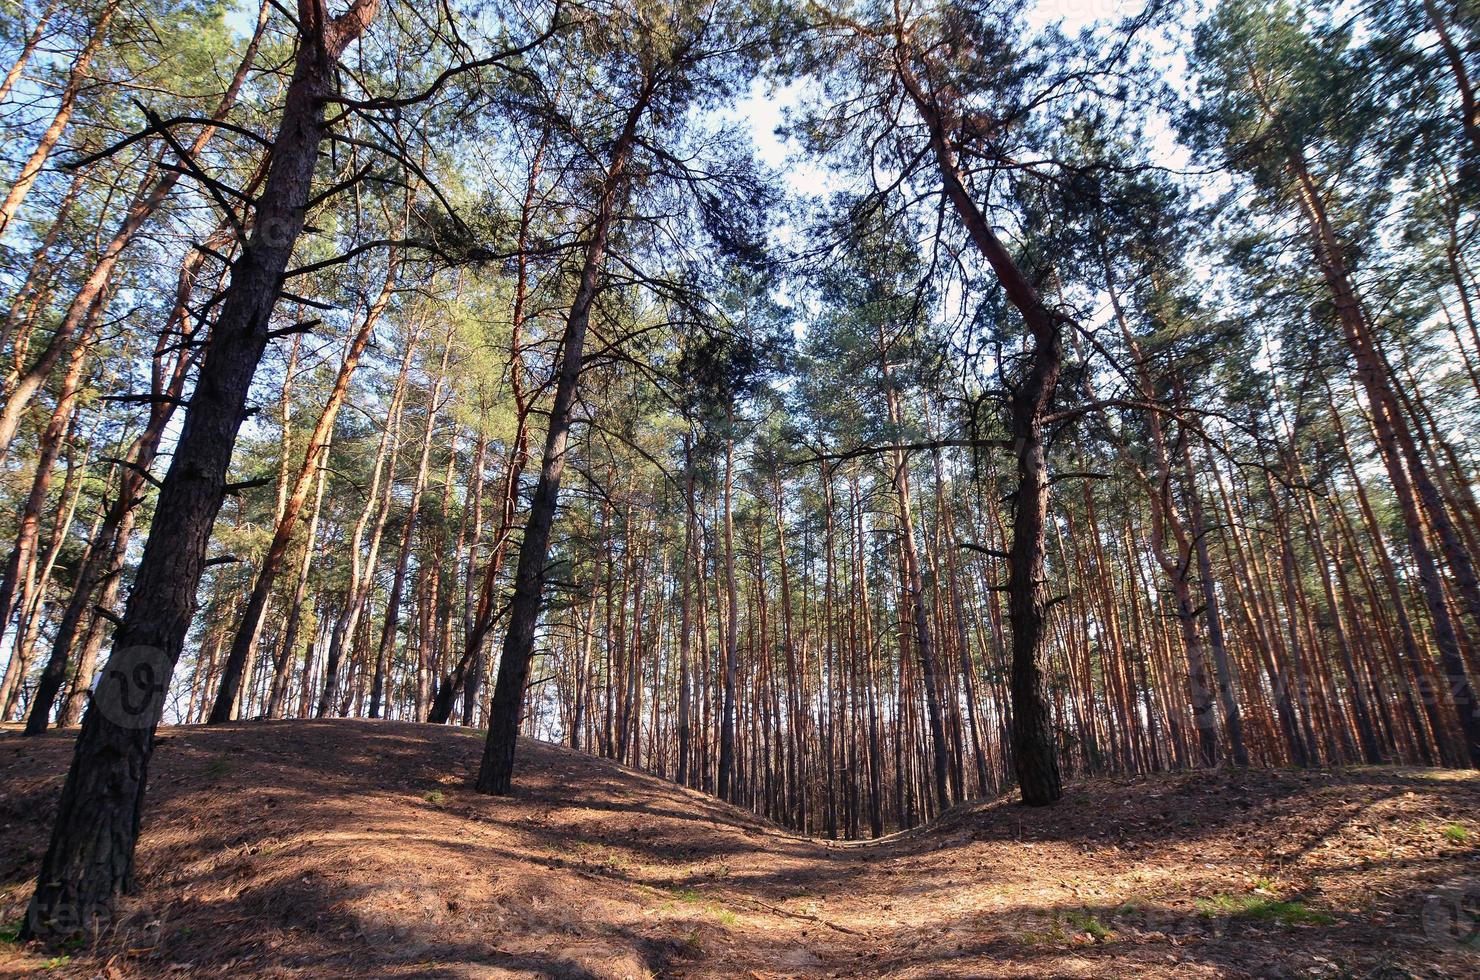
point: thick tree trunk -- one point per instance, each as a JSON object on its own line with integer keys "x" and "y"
{"x": 90, "y": 859}
{"x": 1033, "y": 746}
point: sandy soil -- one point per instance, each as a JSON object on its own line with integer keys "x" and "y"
{"x": 358, "y": 849}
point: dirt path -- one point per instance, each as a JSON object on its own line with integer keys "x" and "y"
{"x": 358, "y": 849}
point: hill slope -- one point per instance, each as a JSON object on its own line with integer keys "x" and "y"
{"x": 354, "y": 849}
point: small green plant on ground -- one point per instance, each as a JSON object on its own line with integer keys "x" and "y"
{"x": 10, "y": 932}
{"x": 1087, "y": 923}
{"x": 1456, "y": 833}
{"x": 1053, "y": 935}
{"x": 218, "y": 768}
{"x": 433, "y": 796}
{"x": 1262, "y": 908}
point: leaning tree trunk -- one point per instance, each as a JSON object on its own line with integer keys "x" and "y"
{"x": 496, "y": 771}
{"x": 1396, "y": 448}
{"x": 104, "y": 560}
{"x": 28, "y": 48}
{"x": 19, "y": 578}
{"x": 66, "y": 106}
{"x": 151, "y": 194}
{"x": 1034, "y": 754}
{"x": 90, "y": 859}
{"x": 244, "y": 645}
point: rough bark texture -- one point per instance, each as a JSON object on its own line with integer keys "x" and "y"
{"x": 1034, "y": 755}
{"x": 497, "y": 768}
{"x": 90, "y": 858}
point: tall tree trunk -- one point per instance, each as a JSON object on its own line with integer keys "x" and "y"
{"x": 380, "y": 679}
{"x": 1034, "y": 752}
{"x": 19, "y": 575}
{"x": 731, "y": 652}
{"x": 496, "y": 770}
{"x": 1166, "y": 521}
{"x": 1469, "y": 105}
{"x": 914, "y": 582}
{"x": 686, "y": 569}
{"x": 1212, "y": 610}
{"x": 1405, "y": 468}
{"x": 174, "y": 355}
{"x": 90, "y": 859}
{"x": 283, "y": 662}
{"x": 377, "y": 505}
{"x": 244, "y": 645}
{"x": 467, "y": 676}
{"x": 29, "y": 628}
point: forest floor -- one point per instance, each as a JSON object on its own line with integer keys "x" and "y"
{"x": 359, "y": 849}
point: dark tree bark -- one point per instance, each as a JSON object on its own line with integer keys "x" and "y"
{"x": 496, "y": 771}
{"x": 90, "y": 859}
{"x": 1034, "y": 755}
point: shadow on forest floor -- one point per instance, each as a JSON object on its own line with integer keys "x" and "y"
{"x": 351, "y": 848}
